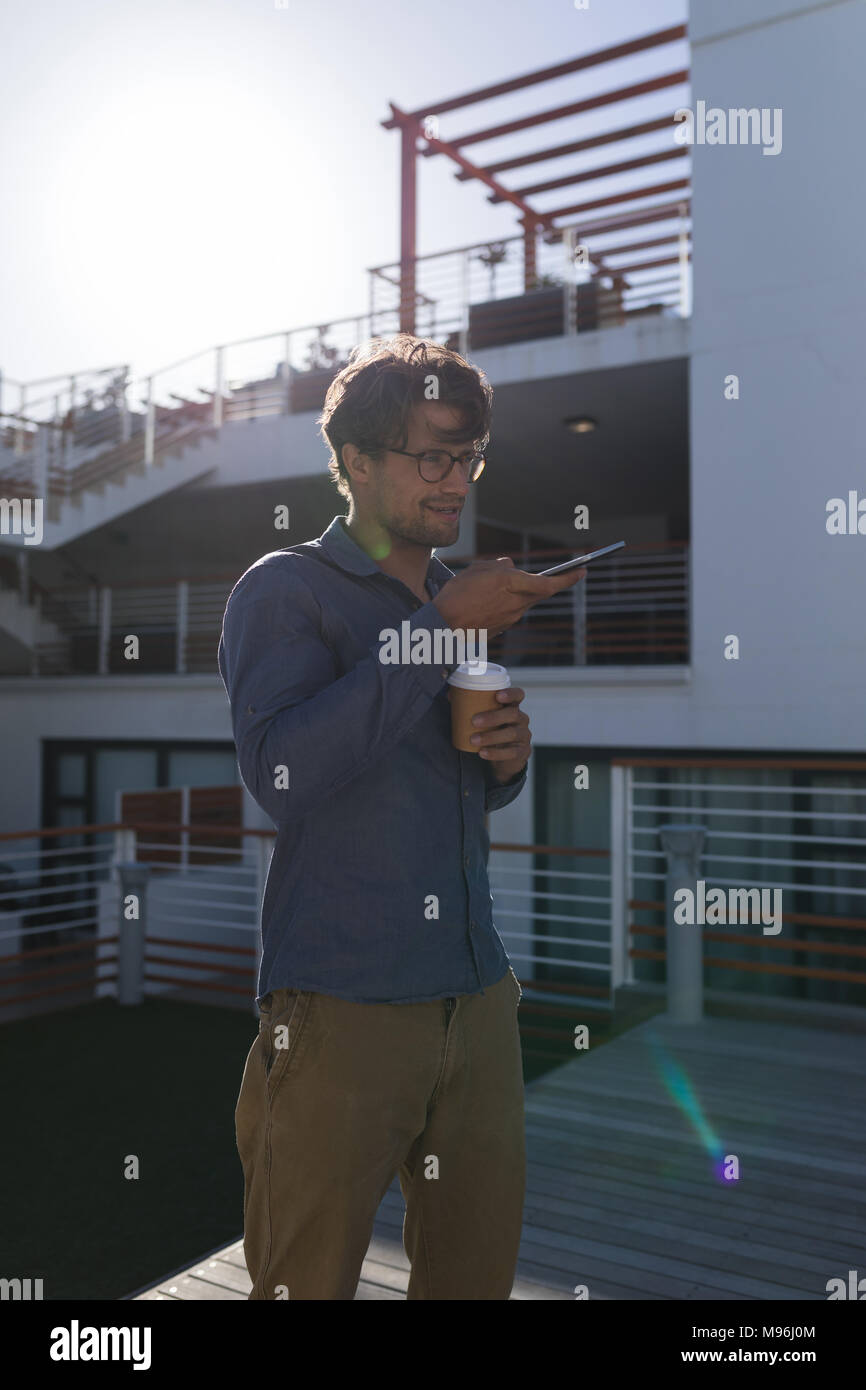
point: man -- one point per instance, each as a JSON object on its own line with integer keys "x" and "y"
{"x": 388, "y": 1040}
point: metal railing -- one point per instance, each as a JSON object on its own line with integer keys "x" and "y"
{"x": 69, "y": 434}
{"x": 592, "y": 275}
{"x": 579, "y": 922}
{"x": 114, "y": 909}
{"x": 796, "y": 825}
{"x": 632, "y": 609}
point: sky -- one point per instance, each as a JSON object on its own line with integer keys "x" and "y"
{"x": 181, "y": 173}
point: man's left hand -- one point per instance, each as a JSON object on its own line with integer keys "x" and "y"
{"x": 503, "y": 736}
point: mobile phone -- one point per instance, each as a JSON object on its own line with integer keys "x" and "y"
{"x": 581, "y": 560}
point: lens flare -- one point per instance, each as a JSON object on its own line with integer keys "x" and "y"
{"x": 681, "y": 1091}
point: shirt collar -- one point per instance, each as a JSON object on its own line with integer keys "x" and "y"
{"x": 340, "y": 547}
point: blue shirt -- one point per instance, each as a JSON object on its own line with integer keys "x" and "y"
{"x": 377, "y": 889}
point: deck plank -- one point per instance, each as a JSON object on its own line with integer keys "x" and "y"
{"x": 621, "y": 1193}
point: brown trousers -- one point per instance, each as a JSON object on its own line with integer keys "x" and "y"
{"x": 339, "y": 1097}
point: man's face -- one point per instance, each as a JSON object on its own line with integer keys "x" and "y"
{"x": 399, "y": 499}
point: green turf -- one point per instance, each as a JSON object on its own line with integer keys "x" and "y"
{"x": 82, "y": 1089}
{"x": 85, "y": 1087}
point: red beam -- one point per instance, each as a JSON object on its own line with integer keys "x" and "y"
{"x": 637, "y": 89}
{"x": 611, "y": 137}
{"x": 647, "y": 192}
{"x": 443, "y": 147}
{"x": 663, "y": 212}
{"x": 514, "y": 84}
{"x": 601, "y": 172}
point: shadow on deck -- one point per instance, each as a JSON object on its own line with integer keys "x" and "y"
{"x": 622, "y": 1196}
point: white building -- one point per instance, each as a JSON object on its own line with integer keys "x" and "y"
{"x": 714, "y": 677}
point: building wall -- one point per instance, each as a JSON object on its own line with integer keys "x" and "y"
{"x": 779, "y": 300}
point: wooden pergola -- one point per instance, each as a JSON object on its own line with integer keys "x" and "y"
{"x": 411, "y": 125}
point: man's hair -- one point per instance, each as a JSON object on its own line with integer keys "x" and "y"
{"x": 369, "y": 401}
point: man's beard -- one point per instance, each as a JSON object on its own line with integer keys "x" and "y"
{"x": 423, "y": 528}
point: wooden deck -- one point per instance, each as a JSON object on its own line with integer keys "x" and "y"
{"x": 621, "y": 1195}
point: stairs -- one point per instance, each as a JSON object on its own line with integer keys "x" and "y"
{"x": 24, "y": 623}
{"x": 116, "y": 482}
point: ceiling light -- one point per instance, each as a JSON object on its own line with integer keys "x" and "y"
{"x": 581, "y": 424}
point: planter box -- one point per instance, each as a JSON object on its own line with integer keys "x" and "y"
{"x": 310, "y": 388}
{"x": 519, "y": 319}
{"x": 538, "y": 314}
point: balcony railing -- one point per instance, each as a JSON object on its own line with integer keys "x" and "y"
{"x": 579, "y": 921}
{"x": 64, "y": 932}
{"x": 632, "y": 609}
{"x": 589, "y": 277}
{"x": 69, "y": 434}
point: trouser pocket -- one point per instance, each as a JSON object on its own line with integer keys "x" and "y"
{"x": 284, "y": 1015}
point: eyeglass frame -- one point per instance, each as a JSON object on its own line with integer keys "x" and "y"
{"x": 455, "y": 458}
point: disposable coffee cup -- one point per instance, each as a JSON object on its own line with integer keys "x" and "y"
{"x": 472, "y": 691}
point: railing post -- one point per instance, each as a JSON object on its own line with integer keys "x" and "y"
{"x": 288, "y": 373}
{"x": 371, "y": 299}
{"x": 464, "y": 303}
{"x": 569, "y": 289}
{"x": 185, "y": 799}
{"x": 683, "y": 845}
{"x": 685, "y": 307}
{"x": 104, "y": 630}
{"x": 19, "y": 427}
{"x": 34, "y": 597}
{"x": 125, "y": 842}
{"x": 134, "y": 879}
{"x": 530, "y": 253}
{"x": 182, "y": 625}
{"x": 149, "y": 424}
{"x": 578, "y": 599}
{"x": 218, "y": 388}
{"x": 22, "y": 558}
{"x": 125, "y": 423}
{"x": 620, "y": 961}
{"x": 40, "y": 463}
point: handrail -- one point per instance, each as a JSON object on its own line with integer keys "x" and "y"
{"x": 791, "y": 764}
{"x": 179, "y": 827}
{"x": 165, "y": 581}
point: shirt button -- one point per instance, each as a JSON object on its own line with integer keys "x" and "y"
{"x": 466, "y": 793}
{"x": 251, "y": 709}
{"x": 472, "y": 926}
{"x": 466, "y": 861}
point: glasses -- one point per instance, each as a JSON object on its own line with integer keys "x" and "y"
{"x": 436, "y": 464}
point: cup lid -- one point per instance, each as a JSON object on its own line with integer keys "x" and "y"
{"x": 479, "y": 675}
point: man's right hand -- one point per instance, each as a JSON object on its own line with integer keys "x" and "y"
{"x": 493, "y": 595}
